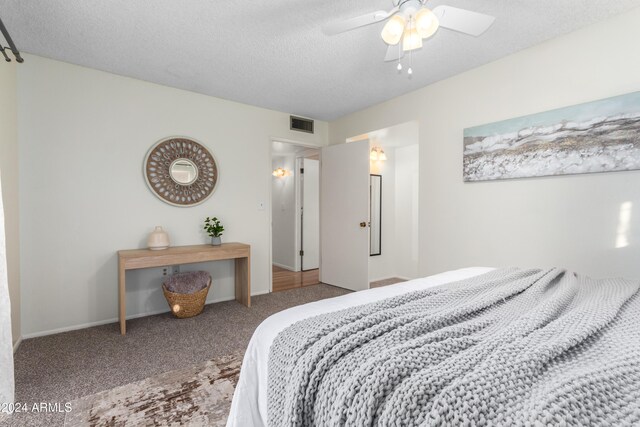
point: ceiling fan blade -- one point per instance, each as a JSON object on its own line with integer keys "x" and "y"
{"x": 359, "y": 21}
{"x": 464, "y": 21}
{"x": 393, "y": 54}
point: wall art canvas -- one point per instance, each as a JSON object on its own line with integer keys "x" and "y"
{"x": 599, "y": 136}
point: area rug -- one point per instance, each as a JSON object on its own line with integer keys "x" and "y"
{"x": 196, "y": 396}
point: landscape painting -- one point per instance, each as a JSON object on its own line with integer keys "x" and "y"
{"x": 599, "y": 136}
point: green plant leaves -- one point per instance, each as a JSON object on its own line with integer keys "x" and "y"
{"x": 213, "y": 226}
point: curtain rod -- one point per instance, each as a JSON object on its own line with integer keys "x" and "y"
{"x": 12, "y": 46}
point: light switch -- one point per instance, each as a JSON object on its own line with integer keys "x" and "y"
{"x": 260, "y": 206}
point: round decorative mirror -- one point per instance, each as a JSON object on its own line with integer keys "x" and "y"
{"x": 181, "y": 171}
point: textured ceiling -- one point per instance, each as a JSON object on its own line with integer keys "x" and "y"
{"x": 272, "y": 53}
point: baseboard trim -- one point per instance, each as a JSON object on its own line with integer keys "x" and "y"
{"x": 390, "y": 277}
{"x": 286, "y": 267}
{"x": 260, "y": 293}
{"x": 17, "y": 344}
{"x": 115, "y": 320}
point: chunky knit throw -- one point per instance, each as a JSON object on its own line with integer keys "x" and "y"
{"x": 510, "y": 347}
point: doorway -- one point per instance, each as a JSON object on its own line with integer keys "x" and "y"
{"x": 295, "y": 215}
{"x": 394, "y": 169}
{"x": 370, "y": 204}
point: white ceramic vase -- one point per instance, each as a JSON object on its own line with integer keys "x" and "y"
{"x": 158, "y": 239}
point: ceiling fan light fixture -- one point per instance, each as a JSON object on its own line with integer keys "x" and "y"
{"x": 394, "y": 29}
{"x": 427, "y": 23}
{"x": 411, "y": 40}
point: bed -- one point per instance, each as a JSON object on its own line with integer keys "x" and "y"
{"x": 476, "y": 346}
{"x": 249, "y": 406}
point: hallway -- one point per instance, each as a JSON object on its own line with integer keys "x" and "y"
{"x": 284, "y": 279}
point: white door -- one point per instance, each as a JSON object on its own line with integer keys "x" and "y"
{"x": 344, "y": 214}
{"x": 310, "y": 238}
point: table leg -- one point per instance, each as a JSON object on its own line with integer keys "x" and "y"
{"x": 122, "y": 298}
{"x": 243, "y": 280}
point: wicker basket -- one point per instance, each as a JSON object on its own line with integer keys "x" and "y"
{"x": 186, "y": 305}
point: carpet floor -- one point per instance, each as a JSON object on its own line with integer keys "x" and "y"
{"x": 63, "y": 367}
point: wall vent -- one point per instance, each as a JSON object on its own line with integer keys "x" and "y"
{"x": 301, "y": 125}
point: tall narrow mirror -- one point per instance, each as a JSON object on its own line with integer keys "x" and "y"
{"x": 375, "y": 215}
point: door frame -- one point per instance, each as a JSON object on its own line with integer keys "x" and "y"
{"x": 270, "y": 197}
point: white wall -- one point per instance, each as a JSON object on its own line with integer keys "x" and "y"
{"x": 383, "y": 266}
{"x": 406, "y": 211}
{"x": 83, "y": 137}
{"x": 283, "y": 217}
{"x": 9, "y": 170}
{"x": 569, "y": 221}
{"x": 400, "y": 180}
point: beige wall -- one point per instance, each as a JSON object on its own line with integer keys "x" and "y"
{"x": 9, "y": 170}
{"x": 570, "y": 221}
{"x": 83, "y": 139}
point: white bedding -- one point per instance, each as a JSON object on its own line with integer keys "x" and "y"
{"x": 249, "y": 406}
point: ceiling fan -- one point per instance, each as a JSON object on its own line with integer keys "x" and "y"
{"x": 410, "y": 21}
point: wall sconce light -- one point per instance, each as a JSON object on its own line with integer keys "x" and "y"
{"x": 281, "y": 173}
{"x": 377, "y": 153}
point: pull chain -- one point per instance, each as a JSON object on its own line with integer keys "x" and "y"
{"x": 410, "y": 70}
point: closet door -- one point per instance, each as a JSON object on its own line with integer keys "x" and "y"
{"x": 310, "y": 238}
{"x": 344, "y": 215}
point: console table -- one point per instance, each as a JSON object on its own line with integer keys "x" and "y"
{"x": 178, "y": 255}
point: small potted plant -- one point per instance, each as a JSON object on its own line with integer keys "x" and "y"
{"x": 213, "y": 227}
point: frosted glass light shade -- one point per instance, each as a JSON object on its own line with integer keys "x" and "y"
{"x": 411, "y": 40}
{"x": 427, "y": 23}
{"x": 393, "y": 30}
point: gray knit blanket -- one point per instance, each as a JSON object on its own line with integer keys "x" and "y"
{"x": 510, "y": 347}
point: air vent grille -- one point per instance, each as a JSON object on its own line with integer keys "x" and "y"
{"x": 301, "y": 125}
